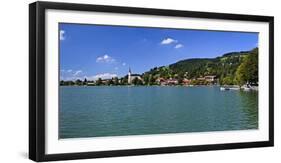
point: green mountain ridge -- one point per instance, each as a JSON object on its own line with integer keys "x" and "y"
{"x": 223, "y": 67}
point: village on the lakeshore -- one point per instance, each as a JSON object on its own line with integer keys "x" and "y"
{"x": 137, "y": 80}
{"x": 231, "y": 71}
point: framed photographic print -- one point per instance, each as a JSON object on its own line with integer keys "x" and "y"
{"x": 111, "y": 81}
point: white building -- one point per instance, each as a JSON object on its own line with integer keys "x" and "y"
{"x": 131, "y": 77}
{"x": 210, "y": 78}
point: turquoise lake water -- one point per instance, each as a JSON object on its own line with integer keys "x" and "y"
{"x": 121, "y": 110}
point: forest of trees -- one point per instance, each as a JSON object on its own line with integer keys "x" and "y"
{"x": 236, "y": 68}
{"x": 248, "y": 69}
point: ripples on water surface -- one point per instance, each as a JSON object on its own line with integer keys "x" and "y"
{"x": 120, "y": 110}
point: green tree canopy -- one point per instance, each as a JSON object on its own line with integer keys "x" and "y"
{"x": 248, "y": 69}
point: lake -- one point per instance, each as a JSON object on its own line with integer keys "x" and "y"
{"x": 99, "y": 111}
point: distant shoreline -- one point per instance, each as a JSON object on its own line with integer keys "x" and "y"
{"x": 237, "y": 87}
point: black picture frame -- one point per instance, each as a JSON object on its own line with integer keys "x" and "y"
{"x": 37, "y": 80}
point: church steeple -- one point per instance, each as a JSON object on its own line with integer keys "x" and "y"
{"x": 129, "y": 76}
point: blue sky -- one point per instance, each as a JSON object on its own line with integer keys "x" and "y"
{"x": 93, "y": 51}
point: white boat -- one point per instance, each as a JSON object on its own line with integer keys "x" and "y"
{"x": 224, "y": 88}
{"x": 234, "y": 88}
{"x": 246, "y": 89}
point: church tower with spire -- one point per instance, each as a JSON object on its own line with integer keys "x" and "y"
{"x": 129, "y": 76}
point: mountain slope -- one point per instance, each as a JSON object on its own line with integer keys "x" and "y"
{"x": 223, "y": 66}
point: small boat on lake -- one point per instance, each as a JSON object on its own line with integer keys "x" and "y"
{"x": 224, "y": 89}
{"x": 246, "y": 88}
{"x": 234, "y": 88}
{"x": 227, "y": 88}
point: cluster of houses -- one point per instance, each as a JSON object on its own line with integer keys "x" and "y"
{"x": 211, "y": 79}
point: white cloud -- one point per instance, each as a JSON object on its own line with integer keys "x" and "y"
{"x": 102, "y": 76}
{"x": 70, "y": 74}
{"x": 179, "y": 46}
{"x": 105, "y": 59}
{"x": 105, "y": 76}
{"x": 70, "y": 78}
{"x": 123, "y": 64}
{"x": 62, "y": 35}
{"x": 76, "y": 73}
{"x": 168, "y": 40}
